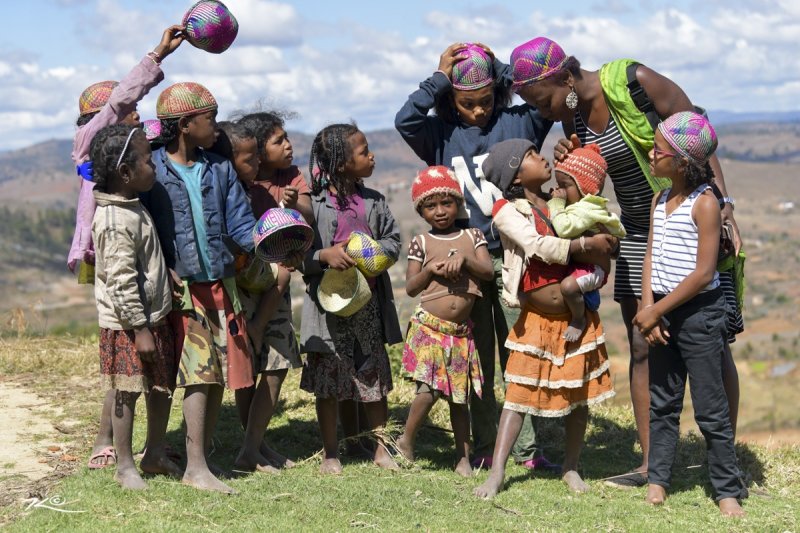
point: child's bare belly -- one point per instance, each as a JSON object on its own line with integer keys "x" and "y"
{"x": 453, "y": 307}
{"x": 547, "y": 299}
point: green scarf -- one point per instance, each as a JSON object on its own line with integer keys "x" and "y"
{"x": 736, "y": 266}
{"x": 632, "y": 123}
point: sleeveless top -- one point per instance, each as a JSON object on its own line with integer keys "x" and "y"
{"x": 428, "y": 247}
{"x": 674, "y": 248}
{"x": 538, "y": 273}
{"x": 633, "y": 193}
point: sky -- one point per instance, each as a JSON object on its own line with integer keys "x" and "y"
{"x": 339, "y": 60}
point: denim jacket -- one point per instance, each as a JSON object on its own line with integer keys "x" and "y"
{"x": 314, "y": 329}
{"x": 226, "y": 211}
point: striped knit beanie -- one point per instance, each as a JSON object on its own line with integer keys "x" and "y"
{"x": 184, "y": 99}
{"x": 435, "y": 180}
{"x": 473, "y": 72}
{"x": 536, "y": 60}
{"x": 587, "y": 167}
{"x": 691, "y": 135}
{"x": 95, "y": 96}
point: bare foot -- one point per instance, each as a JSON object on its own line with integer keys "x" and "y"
{"x": 331, "y": 466}
{"x": 205, "y": 480}
{"x": 575, "y": 482}
{"x": 384, "y": 459}
{"x": 275, "y": 459}
{"x": 246, "y": 462}
{"x": 129, "y": 478}
{"x": 405, "y": 450}
{"x": 575, "y": 329}
{"x": 153, "y": 463}
{"x": 463, "y": 468}
{"x": 656, "y": 495}
{"x": 730, "y": 507}
{"x": 490, "y": 487}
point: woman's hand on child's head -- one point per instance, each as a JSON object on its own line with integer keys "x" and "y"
{"x": 565, "y": 146}
{"x": 290, "y": 196}
{"x": 336, "y": 257}
{"x": 451, "y": 56}
{"x": 170, "y": 41}
{"x": 145, "y": 343}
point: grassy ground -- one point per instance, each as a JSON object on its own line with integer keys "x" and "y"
{"x": 424, "y": 496}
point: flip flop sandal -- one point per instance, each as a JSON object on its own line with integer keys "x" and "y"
{"x": 108, "y": 456}
{"x": 627, "y": 481}
{"x": 541, "y": 464}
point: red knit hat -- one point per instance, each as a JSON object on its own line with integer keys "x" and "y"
{"x": 587, "y": 167}
{"x": 95, "y": 96}
{"x": 435, "y": 180}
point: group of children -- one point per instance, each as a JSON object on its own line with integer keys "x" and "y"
{"x": 173, "y": 247}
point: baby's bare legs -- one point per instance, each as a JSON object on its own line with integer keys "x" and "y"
{"x": 573, "y": 297}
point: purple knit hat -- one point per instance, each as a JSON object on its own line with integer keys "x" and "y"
{"x": 691, "y": 135}
{"x": 473, "y": 72}
{"x": 152, "y": 128}
{"x": 210, "y": 26}
{"x": 536, "y": 60}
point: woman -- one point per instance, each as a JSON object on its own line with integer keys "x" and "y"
{"x": 598, "y": 107}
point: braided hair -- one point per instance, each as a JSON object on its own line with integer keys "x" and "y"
{"x": 330, "y": 151}
{"x": 104, "y": 151}
{"x": 695, "y": 175}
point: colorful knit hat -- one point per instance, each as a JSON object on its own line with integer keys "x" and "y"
{"x": 95, "y": 96}
{"x": 435, "y": 180}
{"x": 587, "y": 167}
{"x": 152, "y": 128}
{"x": 210, "y": 26}
{"x": 473, "y": 72}
{"x": 536, "y": 60}
{"x": 184, "y": 99}
{"x": 691, "y": 135}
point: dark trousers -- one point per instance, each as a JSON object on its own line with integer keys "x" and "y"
{"x": 695, "y": 346}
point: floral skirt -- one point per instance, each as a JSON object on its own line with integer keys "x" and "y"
{"x": 549, "y": 377}
{"x": 359, "y": 370}
{"x": 442, "y": 355}
{"x": 122, "y": 369}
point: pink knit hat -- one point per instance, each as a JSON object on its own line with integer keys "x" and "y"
{"x": 435, "y": 180}
{"x": 691, "y": 135}
{"x": 95, "y": 96}
{"x": 184, "y": 99}
{"x": 536, "y": 60}
{"x": 473, "y": 72}
{"x": 587, "y": 167}
{"x": 210, "y": 26}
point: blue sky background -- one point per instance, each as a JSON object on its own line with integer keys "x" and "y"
{"x": 340, "y": 60}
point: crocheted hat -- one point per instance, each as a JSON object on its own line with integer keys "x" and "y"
{"x": 587, "y": 167}
{"x": 435, "y": 180}
{"x": 536, "y": 60}
{"x": 95, "y": 96}
{"x": 473, "y": 72}
{"x": 369, "y": 255}
{"x": 152, "y": 128}
{"x": 184, "y": 99}
{"x": 691, "y": 135}
{"x": 502, "y": 164}
{"x": 210, "y": 26}
{"x": 281, "y": 232}
{"x": 343, "y": 292}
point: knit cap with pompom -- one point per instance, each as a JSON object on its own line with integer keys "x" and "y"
{"x": 435, "y": 180}
{"x": 587, "y": 167}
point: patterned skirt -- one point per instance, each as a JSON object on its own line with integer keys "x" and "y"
{"x": 122, "y": 369}
{"x": 549, "y": 377}
{"x": 359, "y": 370}
{"x": 442, "y": 355}
{"x": 279, "y": 348}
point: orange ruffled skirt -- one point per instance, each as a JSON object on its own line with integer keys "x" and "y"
{"x": 549, "y": 377}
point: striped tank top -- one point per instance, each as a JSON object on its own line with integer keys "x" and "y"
{"x": 674, "y": 248}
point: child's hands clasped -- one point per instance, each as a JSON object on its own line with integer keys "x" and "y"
{"x": 336, "y": 257}
{"x": 651, "y": 326}
{"x": 145, "y": 343}
{"x": 449, "y": 268}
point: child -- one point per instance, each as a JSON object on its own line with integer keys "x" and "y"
{"x": 347, "y": 359}
{"x": 471, "y": 92}
{"x": 444, "y": 266}
{"x": 261, "y": 288}
{"x": 102, "y": 104}
{"x": 576, "y": 208}
{"x": 683, "y": 315}
{"x": 133, "y": 295}
{"x": 196, "y": 202}
{"x": 545, "y": 376}
{"x": 276, "y": 183}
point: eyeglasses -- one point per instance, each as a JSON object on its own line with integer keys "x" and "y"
{"x": 657, "y": 154}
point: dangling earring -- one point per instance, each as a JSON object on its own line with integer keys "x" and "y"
{"x": 572, "y": 98}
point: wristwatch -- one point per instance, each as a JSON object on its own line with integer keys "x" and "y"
{"x": 727, "y": 200}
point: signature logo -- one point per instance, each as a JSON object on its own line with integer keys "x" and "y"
{"x": 51, "y": 503}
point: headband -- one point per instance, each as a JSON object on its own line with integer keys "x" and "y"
{"x": 125, "y": 147}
